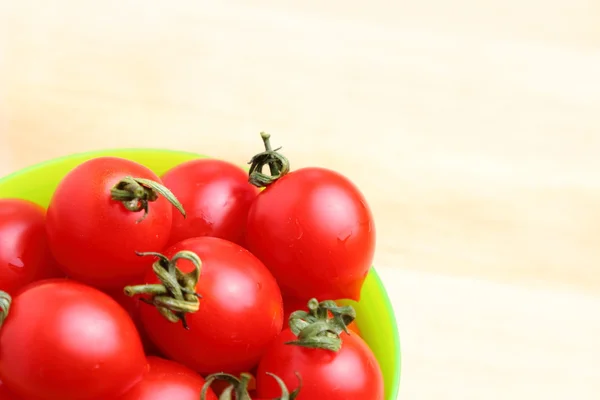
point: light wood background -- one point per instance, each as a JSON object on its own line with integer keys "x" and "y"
{"x": 473, "y": 128}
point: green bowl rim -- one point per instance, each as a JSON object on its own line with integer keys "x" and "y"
{"x": 380, "y": 285}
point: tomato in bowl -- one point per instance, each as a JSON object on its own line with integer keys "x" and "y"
{"x": 375, "y": 316}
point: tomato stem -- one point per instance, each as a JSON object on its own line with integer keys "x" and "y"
{"x": 239, "y": 386}
{"x": 137, "y": 193}
{"x": 316, "y": 330}
{"x": 175, "y": 295}
{"x": 5, "y": 301}
{"x": 278, "y": 164}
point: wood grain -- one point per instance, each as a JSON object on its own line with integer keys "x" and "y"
{"x": 471, "y": 127}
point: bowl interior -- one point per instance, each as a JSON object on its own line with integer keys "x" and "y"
{"x": 375, "y": 316}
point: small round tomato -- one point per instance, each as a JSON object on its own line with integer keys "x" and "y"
{"x": 333, "y": 365}
{"x": 24, "y": 253}
{"x": 216, "y": 196}
{"x": 292, "y": 305}
{"x": 228, "y": 329}
{"x": 64, "y": 340}
{"x": 168, "y": 380}
{"x": 102, "y": 213}
{"x": 312, "y": 228}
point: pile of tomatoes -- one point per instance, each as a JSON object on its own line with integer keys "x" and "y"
{"x": 206, "y": 281}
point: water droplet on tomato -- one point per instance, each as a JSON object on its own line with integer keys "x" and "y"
{"x": 16, "y": 263}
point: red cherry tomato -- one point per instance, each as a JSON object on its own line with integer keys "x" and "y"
{"x": 349, "y": 374}
{"x": 63, "y": 340}
{"x": 240, "y": 313}
{"x": 94, "y": 229}
{"x": 168, "y": 380}
{"x": 5, "y": 394}
{"x": 314, "y": 231}
{"x": 24, "y": 253}
{"x": 216, "y": 196}
{"x": 291, "y": 305}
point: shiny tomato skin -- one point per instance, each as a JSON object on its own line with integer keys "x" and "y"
{"x": 216, "y": 196}
{"x": 24, "y": 253}
{"x": 291, "y": 305}
{"x": 64, "y": 340}
{"x": 314, "y": 230}
{"x": 241, "y": 310}
{"x": 168, "y": 380}
{"x": 93, "y": 237}
{"x": 350, "y": 374}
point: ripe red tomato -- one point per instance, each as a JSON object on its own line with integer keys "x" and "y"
{"x": 216, "y": 196}
{"x": 63, "y": 340}
{"x": 168, "y": 380}
{"x": 240, "y": 313}
{"x": 312, "y": 228}
{"x": 96, "y": 221}
{"x": 349, "y": 374}
{"x": 291, "y": 305}
{"x": 24, "y": 253}
{"x": 332, "y": 364}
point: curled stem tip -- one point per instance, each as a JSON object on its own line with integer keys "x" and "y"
{"x": 316, "y": 329}
{"x": 5, "y": 301}
{"x": 137, "y": 193}
{"x": 278, "y": 164}
{"x": 238, "y": 387}
{"x": 175, "y": 296}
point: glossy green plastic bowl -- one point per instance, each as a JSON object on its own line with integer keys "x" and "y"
{"x": 376, "y": 319}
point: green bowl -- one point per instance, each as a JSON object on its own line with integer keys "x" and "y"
{"x": 376, "y": 319}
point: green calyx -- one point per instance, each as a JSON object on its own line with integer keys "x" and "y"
{"x": 137, "y": 193}
{"x": 5, "y": 301}
{"x": 278, "y": 165}
{"x": 175, "y": 295}
{"x": 238, "y": 387}
{"x": 316, "y": 329}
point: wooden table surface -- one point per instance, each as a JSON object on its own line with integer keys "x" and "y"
{"x": 472, "y": 127}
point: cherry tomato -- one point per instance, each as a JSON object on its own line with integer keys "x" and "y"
{"x": 63, "y": 340}
{"x": 216, "y": 196}
{"x": 291, "y": 305}
{"x": 332, "y": 364}
{"x": 239, "y": 315}
{"x": 5, "y": 394}
{"x": 314, "y": 231}
{"x": 24, "y": 253}
{"x": 168, "y": 380}
{"x": 350, "y": 374}
{"x": 97, "y": 220}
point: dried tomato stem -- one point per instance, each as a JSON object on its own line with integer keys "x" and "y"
{"x": 175, "y": 295}
{"x": 136, "y": 193}
{"x": 5, "y": 301}
{"x": 278, "y": 164}
{"x": 315, "y": 329}
{"x": 239, "y": 386}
